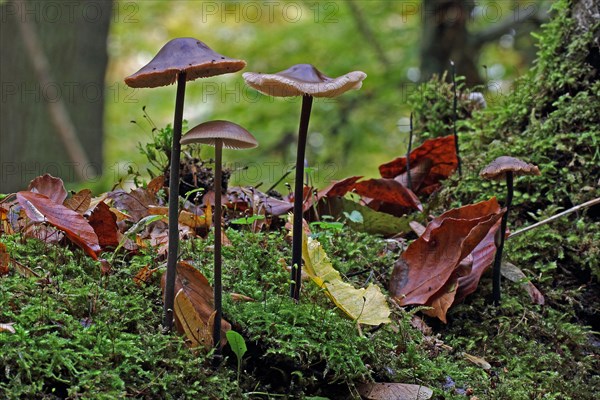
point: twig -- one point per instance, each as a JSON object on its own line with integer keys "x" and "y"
{"x": 557, "y": 216}
{"x": 57, "y": 109}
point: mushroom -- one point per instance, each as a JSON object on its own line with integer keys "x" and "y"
{"x": 181, "y": 60}
{"x": 306, "y": 81}
{"x": 231, "y": 136}
{"x": 505, "y": 168}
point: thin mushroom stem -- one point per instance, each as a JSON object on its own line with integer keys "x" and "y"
{"x": 498, "y": 257}
{"x": 218, "y": 288}
{"x": 174, "y": 205}
{"x": 299, "y": 197}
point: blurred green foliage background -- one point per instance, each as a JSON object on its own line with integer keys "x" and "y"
{"x": 349, "y": 135}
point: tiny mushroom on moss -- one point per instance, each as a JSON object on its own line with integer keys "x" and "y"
{"x": 231, "y": 136}
{"x": 180, "y": 60}
{"x": 505, "y": 168}
{"x": 307, "y": 81}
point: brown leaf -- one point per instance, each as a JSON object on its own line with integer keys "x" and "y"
{"x": 156, "y": 184}
{"x": 431, "y": 260}
{"x": 442, "y": 154}
{"x": 104, "y": 223}
{"x": 4, "y": 260}
{"x": 77, "y": 229}
{"x": 144, "y": 275}
{"x": 80, "y": 201}
{"x": 197, "y": 330}
{"x": 394, "y": 391}
{"x": 198, "y": 291}
{"x": 388, "y": 191}
{"x": 238, "y": 298}
{"x": 514, "y": 274}
{"x": 135, "y": 203}
{"x": 49, "y": 186}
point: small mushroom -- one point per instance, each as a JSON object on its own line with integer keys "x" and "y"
{"x": 306, "y": 81}
{"x": 231, "y": 136}
{"x": 180, "y": 60}
{"x": 505, "y": 168}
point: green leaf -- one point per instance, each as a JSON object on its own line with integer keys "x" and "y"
{"x": 237, "y": 344}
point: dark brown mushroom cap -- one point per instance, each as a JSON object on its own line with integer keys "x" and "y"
{"x": 183, "y": 54}
{"x": 498, "y": 168}
{"x": 233, "y": 135}
{"x": 302, "y": 79}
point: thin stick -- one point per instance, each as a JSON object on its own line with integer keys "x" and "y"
{"x": 557, "y": 216}
{"x": 174, "y": 205}
{"x": 410, "y": 136}
{"x": 298, "y": 198}
{"x": 455, "y": 116}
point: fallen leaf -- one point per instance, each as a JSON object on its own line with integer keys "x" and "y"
{"x": 24, "y": 270}
{"x": 135, "y": 203}
{"x": 365, "y": 306}
{"x": 197, "y": 330}
{"x": 144, "y": 275}
{"x": 480, "y": 362}
{"x": 185, "y": 217}
{"x": 394, "y": 391}
{"x": 238, "y": 298}
{"x": 80, "y": 201}
{"x": 104, "y": 223}
{"x": 49, "y": 186}
{"x": 156, "y": 184}
{"x": 514, "y": 274}
{"x": 7, "y": 327}
{"x": 75, "y": 227}
{"x": 4, "y": 260}
{"x": 439, "y": 156}
{"x": 199, "y": 292}
{"x": 387, "y": 191}
{"x": 427, "y": 272}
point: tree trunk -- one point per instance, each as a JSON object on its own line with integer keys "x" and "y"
{"x": 52, "y": 71}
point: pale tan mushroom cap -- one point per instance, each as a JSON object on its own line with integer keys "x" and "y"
{"x": 233, "y": 135}
{"x": 498, "y": 168}
{"x": 183, "y": 54}
{"x": 302, "y": 79}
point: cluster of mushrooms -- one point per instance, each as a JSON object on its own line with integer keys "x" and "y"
{"x": 186, "y": 59}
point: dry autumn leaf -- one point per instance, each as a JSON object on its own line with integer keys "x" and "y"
{"x": 427, "y": 272}
{"x": 197, "y": 330}
{"x": 514, "y": 274}
{"x": 144, "y": 275}
{"x": 394, "y": 391}
{"x": 199, "y": 292}
{"x": 104, "y": 223}
{"x": 365, "y": 306}
{"x": 437, "y": 157}
{"x": 49, "y": 186}
{"x": 4, "y": 260}
{"x": 41, "y": 209}
{"x": 80, "y": 201}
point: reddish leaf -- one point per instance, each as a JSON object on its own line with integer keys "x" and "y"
{"x": 388, "y": 191}
{"x": 442, "y": 154}
{"x": 198, "y": 291}
{"x": 134, "y": 203}
{"x": 104, "y": 223}
{"x": 156, "y": 184}
{"x": 77, "y": 229}
{"x": 49, "y": 186}
{"x": 430, "y": 261}
{"x": 339, "y": 188}
{"x": 80, "y": 201}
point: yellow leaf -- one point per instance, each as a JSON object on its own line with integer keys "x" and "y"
{"x": 197, "y": 332}
{"x": 365, "y": 306}
{"x": 185, "y": 217}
